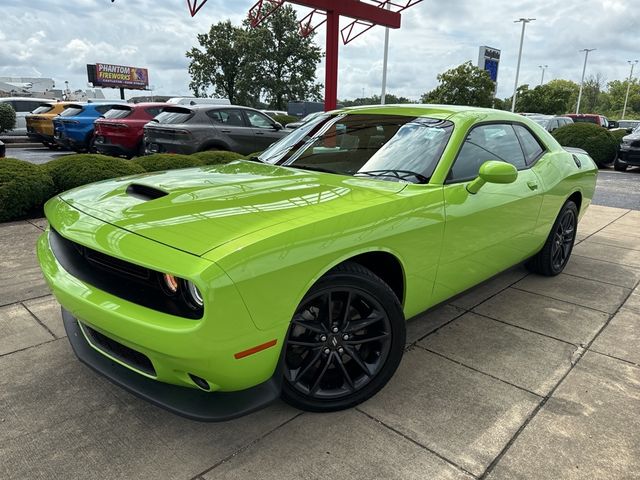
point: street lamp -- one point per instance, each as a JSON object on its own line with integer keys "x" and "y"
{"x": 543, "y": 68}
{"x": 515, "y": 87}
{"x": 626, "y": 97}
{"x": 383, "y": 94}
{"x": 584, "y": 69}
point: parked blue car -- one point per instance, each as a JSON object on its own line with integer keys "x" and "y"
{"x": 73, "y": 128}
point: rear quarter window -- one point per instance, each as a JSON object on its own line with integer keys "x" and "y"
{"x": 118, "y": 112}
{"x": 530, "y": 144}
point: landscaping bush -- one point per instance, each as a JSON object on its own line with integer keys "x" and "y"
{"x": 71, "y": 171}
{"x": 215, "y": 157}
{"x": 597, "y": 141}
{"x": 24, "y": 188}
{"x": 7, "y": 117}
{"x": 618, "y": 134}
{"x": 284, "y": 119}
{"x": 166, "y": 161}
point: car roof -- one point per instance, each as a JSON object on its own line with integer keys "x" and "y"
{"x": 30, "y": 99}
{"x": 437, "y": 111}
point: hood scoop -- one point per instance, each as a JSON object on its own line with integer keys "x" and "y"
{"x": 145, "y": 192}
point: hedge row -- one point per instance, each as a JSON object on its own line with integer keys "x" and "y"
{"x": 599, "y": 143}
{"x": 24, "y": 187}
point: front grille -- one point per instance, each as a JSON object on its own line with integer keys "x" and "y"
{"x": 118, "y": 277}
{"x": 127, "y": 355}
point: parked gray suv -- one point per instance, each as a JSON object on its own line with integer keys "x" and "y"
{"x": 190, "y": 129}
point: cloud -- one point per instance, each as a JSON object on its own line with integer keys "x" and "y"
{"x": 58, "y": 37}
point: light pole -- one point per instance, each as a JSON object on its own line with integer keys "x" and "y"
{"x": 626, "y": 97}
{"x": 383, "y": 94}
{"x": 515, "y": 87}
{"x": 543, "y": 68}
{"x": 584, "y": 69}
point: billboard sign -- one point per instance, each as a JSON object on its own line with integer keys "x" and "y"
{"x": 118, "y": 76}
{"x": 489, "y": 59}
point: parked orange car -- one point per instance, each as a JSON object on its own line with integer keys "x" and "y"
{"x": 40, "y": 122}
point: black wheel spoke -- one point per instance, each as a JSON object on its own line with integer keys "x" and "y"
{"x": 346, "y": 375}
{"x": 319, "y": 328}
{"x": 316, "y": 384}
{"x": 358, "y": 325}
{"x": 347, "y": 308}
{"x": 305, "y": 369}
{"x": 359, "y": 341}
{"x": 356, "y": 358}
{"x": 303, "y": 343}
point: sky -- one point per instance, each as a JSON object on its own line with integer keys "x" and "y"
{"x": 57, "y": 38}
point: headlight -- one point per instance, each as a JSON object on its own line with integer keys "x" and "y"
{"x": 194, "y": 294}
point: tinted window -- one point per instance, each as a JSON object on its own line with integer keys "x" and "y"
{"x": 530, "y": 145}
{"x": 231, "y": 118}
{"x": 259, "y": 120}
{"x": 71, "y": 111}
{"x": 487, "y": 142}
{"x": 118, "y": 112}
{"x": 174, "y": 115}
{"x": 153, "y": 111}
{"x": 43, "y": 108}
{"x": 586, "y": 120}
{"x": 387, "y": 147}
{"x": 102, "y": 109}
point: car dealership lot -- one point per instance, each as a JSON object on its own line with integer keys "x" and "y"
{"x": 522, "y": 377}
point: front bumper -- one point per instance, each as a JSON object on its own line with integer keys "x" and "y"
{"x": 187, "y": 402}
{"x": 630, "y": 156}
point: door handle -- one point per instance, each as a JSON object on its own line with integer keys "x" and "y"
{"x": 225, "y": 131}
{"x": 532, "y": 185}
{"x": 259, "y": 133}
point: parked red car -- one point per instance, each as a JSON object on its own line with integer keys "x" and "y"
{"x": 599, "y": 120}
{"x": 119, "y": 131}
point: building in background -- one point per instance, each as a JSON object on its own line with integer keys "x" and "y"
{"x": 45, "y": 87}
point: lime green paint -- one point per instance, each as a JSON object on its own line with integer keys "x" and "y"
{"x": 254, "y": 238}
{"x": 493, "y": 171}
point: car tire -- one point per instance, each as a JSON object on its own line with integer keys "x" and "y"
{"x": 336, "y": 363}
{"x": 619, "y": 166}
{"x": 551, "y": 260}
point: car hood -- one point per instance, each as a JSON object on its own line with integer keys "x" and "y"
{"x": 198, "y": 209}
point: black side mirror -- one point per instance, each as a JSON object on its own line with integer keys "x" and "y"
{"x": 277, "y": 126}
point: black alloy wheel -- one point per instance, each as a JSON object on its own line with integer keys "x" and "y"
{"x": 345, "y": 341}
{"x": 555, "y": 253}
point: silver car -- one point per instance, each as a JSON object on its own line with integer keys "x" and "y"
{"x": 190, "y": 129}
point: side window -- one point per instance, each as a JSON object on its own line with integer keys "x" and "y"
{"x": 553, "y": 125}
{"x": 483, "y": 143}
{"x": 258, "y": 120}
{"x": 230, "y": 118}
{"x": 530, "y": 145}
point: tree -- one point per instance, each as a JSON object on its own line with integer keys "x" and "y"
{"x": 286, "y": 61}
{"x": 465, "y": 84}
{"x": 389, "y": 99}
{"x": 223, "y": 64}
{"x": 246, "y": 64}
{"x": 591, "y": 90}
{"x": 7, "y": 117}
{"x": 554, "y": 98}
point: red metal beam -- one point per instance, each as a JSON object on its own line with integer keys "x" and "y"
{"x": 194, "y": 7}
{"x": 355, "y": 9}
{"x": 262, "y": 10}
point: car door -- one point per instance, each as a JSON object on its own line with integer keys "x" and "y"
{"x": 493, "y": 229}
{"x": 264, "y": 129}
{"x": 233, "y": 130}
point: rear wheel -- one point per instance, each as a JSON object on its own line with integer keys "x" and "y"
{"x": 345, "y": 341}
{"x": 555, "y": 253}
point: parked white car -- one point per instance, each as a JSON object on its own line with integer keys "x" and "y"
{"x": 198, "y": 101}
{"x": 23, "y": 107}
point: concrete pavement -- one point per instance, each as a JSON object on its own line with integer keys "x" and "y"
{"x": 522, "y": 377}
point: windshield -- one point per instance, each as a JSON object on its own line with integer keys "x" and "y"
{"x": 44, "y": 108}
{"x": 174, "y": 115}
{"x": 585, "y": 120}
{"x": 391, "y": 147}
{"x": 118, "y": 112}
{"x": 71, "y": 111}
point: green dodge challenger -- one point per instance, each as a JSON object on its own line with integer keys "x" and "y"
{"x": 213, "y": 291}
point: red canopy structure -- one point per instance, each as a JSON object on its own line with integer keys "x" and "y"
{"x": 365, "y": 16}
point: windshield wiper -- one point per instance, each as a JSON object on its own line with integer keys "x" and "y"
{"x": 399, "y": 174}
{"x": 313, "y": 168}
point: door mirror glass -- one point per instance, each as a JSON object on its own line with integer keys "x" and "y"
{"x": 277, "y": 126}
{"x": 493, "y": 171}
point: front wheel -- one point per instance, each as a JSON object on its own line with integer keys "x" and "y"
{"x": 619, "y": 166}
{"x": 555, "y": 253}
{"x": 345, "y": 341}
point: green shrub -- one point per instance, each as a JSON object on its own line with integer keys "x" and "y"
{"x": 7, "y": 117}
{"x": 618, "y": 134}
{"x": 215, "y": 157}
{"x": 71, "y": 171}
{"x": 24, "y": 187}
{"x": 284, "y": 119}
{"x": 597, "y": 141}
{"x": 166, "y": 161}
